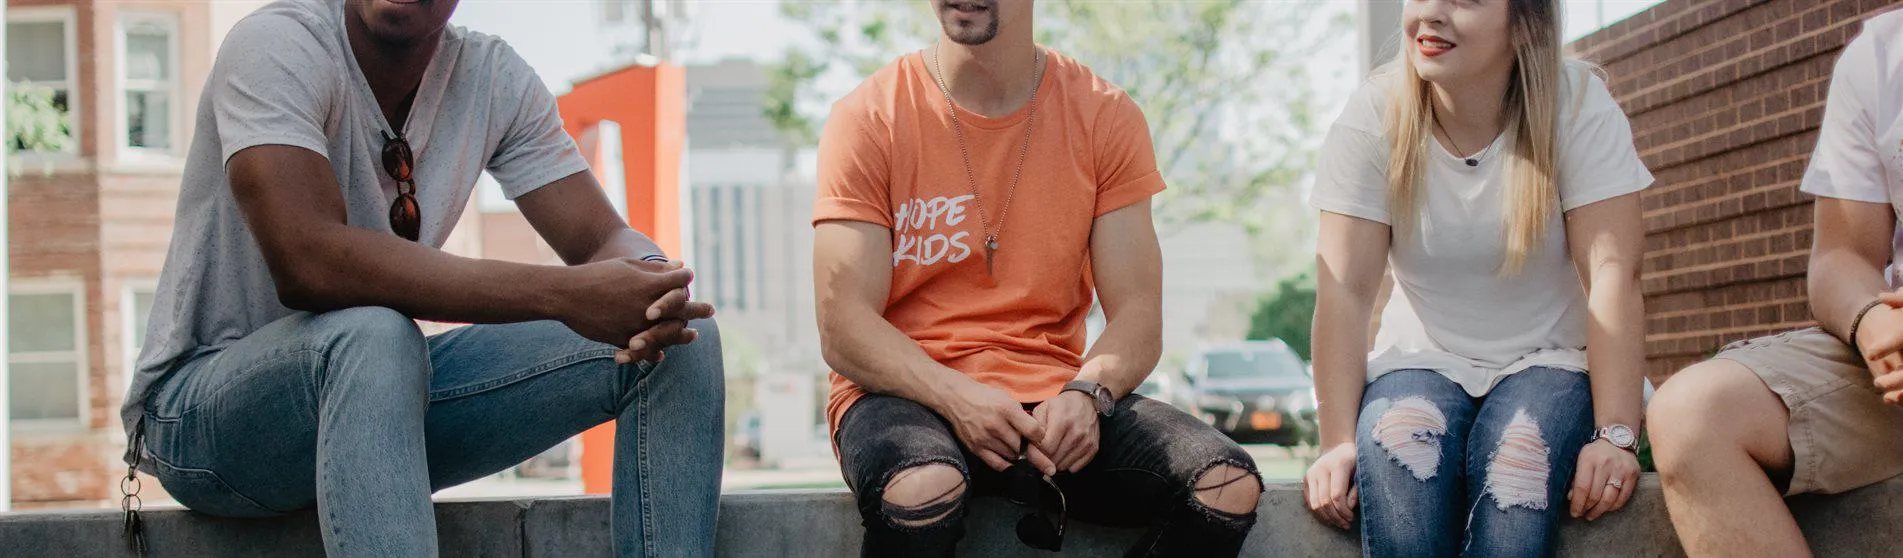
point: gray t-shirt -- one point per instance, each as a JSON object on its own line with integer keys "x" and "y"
{"x": 286, "y": 76}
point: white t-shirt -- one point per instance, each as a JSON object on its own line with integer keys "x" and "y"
{"x": 1859, "y": 154}
{"x": 285, "y": 75}
{"x": 1452, "y": 311}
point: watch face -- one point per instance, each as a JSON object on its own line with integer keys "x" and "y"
{"x": 1105, "y": 401}
{"x": 1621, "y": 435}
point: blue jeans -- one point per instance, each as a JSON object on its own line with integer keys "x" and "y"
{"x": 1445, "y": 474}
{"x": 357, "y": 413}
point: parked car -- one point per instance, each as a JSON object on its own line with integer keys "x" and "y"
{"x": 1168, "y": 387}
{"x": 1255, "y": 392}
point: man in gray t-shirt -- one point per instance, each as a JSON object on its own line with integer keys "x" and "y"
{"x": 337, "y": 143}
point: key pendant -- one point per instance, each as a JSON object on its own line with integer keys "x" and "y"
{"x": 991, "y": 252}
{"x": 135, "y": 533}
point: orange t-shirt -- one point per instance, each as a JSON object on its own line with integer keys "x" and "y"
{"x": 889, "y": 156}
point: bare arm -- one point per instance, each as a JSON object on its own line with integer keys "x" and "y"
{"x": 852, "y": 274}
{"x": 1851, "y": 246}
{"x": 577, "y": 220}
{"x": 1607, "y": 242}
{"x": 291, "y": 202}
{"x": 1351, "y": 258}
{"x": 1128, "y": 267}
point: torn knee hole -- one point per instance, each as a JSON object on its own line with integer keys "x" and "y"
{"x": 1517, "y": 473}
{"x": 924, "y": 495}
{"x": 1411, "y": 431}
{"x": 1229, "y": 489}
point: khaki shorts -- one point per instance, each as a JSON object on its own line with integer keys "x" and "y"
{"x": 1843, "y": 436}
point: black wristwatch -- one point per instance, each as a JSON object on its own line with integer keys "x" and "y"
{"x": 1106, "y": 401}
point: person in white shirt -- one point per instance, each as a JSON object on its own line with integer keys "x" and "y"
{"x": 1813, "y": 410}
{"x": 1500, "y": 182}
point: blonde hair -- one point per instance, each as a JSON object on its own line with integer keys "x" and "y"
{"x": 1532, "y": 105}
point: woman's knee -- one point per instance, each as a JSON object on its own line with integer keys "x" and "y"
{"x": 1410, "y": 431}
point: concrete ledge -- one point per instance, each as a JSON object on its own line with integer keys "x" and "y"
{"x": 824, "y": 523}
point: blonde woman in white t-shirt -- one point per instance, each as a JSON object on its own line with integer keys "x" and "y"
{"x": 1500, "y": 182}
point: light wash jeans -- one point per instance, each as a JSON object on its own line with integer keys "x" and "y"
{"x": 359, "y": 414}
{"x": 1445, "y": 474}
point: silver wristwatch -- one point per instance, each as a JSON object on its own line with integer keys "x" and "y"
{"x": 1621, "y": 436}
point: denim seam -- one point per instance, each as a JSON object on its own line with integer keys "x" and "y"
{"x": 916, "y": 462}
{"x": 323, "y": 440}
{"x": 222, "y": 486}
{"x": 644, "y": 467}
{"x": 524, "y": 374}
{"x": 271, "y": 358}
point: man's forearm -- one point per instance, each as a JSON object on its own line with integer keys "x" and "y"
{"x": 1126, "y": 353}
{"x": 348, "y": 267}
{"x": 1842, "y": 284}
{"x": 865, "y": 348}
{"x": 628, "y": 243}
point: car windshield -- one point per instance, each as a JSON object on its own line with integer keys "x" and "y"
{"x": 1233, "y": 364}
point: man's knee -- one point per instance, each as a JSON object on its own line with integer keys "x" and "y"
{"x": 924, "y": 495}
{"x": 370, "y": 328}
{"x": 1229, "y": 488}
{"x": 1718, "y": 405}
{"x": 696, "y": 368}
{"x": 380, "y": 337}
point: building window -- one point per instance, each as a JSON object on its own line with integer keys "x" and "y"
{"x": 46, "y": 355}
{"x": 137, "y": 313}
{"x": 716, "y": 262}
{"x": 148, "y": 76}
{"x": 42, "y": 68}
{"x": 744, "y": 205}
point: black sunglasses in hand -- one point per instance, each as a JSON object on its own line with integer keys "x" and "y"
{"x": 1043, "y": 527}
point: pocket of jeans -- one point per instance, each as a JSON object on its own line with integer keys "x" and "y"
{"x": 204, "y": 491}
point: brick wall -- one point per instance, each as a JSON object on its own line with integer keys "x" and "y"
{"x": 1725, "y": 98}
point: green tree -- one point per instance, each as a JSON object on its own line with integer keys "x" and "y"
{"x": 34, "y": 121}
{"x": 1225, "y": 83}
{"x": 1287, "y": 313}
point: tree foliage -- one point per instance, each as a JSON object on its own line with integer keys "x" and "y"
{"x": 1287, "y": 313}
{"x": 34, "y": 121}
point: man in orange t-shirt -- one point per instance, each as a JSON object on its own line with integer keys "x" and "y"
{"x": 972, "y": 196}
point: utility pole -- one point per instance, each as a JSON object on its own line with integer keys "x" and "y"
{"x": 6, "y": 378}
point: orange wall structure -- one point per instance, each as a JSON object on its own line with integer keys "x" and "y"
{"x": 650, "y": 104}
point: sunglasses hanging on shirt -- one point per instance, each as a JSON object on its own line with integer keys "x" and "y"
{"x": 406, "y": 219}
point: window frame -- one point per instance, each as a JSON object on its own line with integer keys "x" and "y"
{"x": 68, "y": 16}
{"x": 81, "y": 365}
{"x": 129, "y": 326}
{"x": 171, "y": 87}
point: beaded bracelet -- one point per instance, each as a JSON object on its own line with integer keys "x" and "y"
{"x": 1858, "y": 323}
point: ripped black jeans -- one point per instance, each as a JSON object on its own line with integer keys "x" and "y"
{"x": 1150, "y": 459}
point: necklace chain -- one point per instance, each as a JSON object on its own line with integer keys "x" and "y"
{"x": 971, "y": 180}
{"x": 1471, "y": 160}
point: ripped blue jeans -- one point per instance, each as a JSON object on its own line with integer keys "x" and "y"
{"x": 1445, "y": 474}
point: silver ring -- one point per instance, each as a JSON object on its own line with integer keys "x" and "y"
{"x": 1616, "y": 483}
